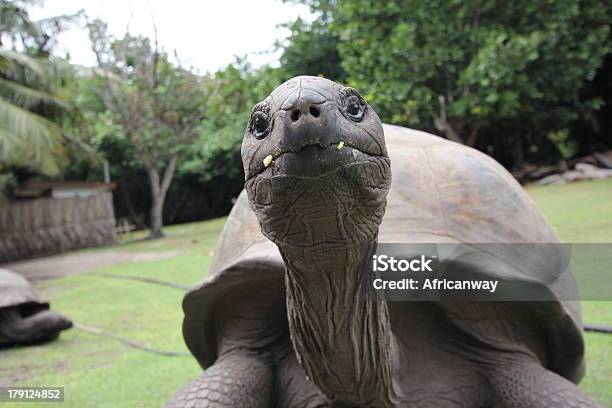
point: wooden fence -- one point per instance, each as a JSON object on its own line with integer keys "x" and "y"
{"x": 50, "y": 225}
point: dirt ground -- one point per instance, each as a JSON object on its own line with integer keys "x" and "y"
{"x": 75, "y": 263}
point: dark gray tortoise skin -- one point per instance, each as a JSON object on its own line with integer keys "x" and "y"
{"x": 281, "y": 319}
{"x": 24, "y": 317}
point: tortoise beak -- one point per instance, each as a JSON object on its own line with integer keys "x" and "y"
{"x": 60, "y": 322}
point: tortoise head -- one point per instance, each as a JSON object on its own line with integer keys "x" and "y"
{"x": 316, "y": 164}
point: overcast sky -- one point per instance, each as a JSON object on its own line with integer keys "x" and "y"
{"x": 206, "y": 34}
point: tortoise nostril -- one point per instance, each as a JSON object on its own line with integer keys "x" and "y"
{"x": 314, "y": 111}
{"x": 295, "y": 115}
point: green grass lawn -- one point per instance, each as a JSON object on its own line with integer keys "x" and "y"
{"x": 100, "y": 372}
{"x": 582, "y": 212}
{"x": 579, "y": 212}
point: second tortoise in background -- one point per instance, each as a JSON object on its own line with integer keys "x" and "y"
{"x": 24, "y": 317}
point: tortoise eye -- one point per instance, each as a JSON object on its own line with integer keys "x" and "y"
{"x": 260, "y": 124}
{"x": 354, "y": 106}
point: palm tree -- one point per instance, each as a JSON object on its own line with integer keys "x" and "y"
{"x": 28, "y": 137}
{"x": 29, "y": 99}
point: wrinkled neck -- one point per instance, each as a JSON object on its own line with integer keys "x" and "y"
{"x": 340, "y": 330}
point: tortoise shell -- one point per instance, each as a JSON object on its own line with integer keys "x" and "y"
{"x": 15, "y": 290}
{"x": 442, "y": 192}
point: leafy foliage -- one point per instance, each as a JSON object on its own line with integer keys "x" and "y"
{"x": 38, "y": 37}
{"x": 156, "y": 105}
{"x": 149, "y": 102}
{"x": 522, "y": 81}
{"x": 472, "y": 70}
{"x": 231, "y": 94}
{"x": 311, "y": 49}
{"x": 483, "y": 62}
{"x": 31, "y": 101}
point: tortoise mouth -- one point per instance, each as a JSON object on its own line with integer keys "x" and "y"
{"x": 314, "y": 160}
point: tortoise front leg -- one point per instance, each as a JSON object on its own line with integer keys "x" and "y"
{"x": 294, "y": 389}
{"x": 41, "y": 326}
{"x": 237, "y": 379}
{"x": 529, "y": 385}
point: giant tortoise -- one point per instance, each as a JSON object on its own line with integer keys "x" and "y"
{"x": 283, "y": 319}
{"x": 24, "y": 317}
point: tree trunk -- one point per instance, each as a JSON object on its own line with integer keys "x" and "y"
{"x": 158, "y": 195}
{"x": 443, "y": 126}
{"x": 472, "y": 137}
{"x": 156, "y": 222}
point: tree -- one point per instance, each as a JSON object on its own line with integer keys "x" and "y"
{"x": 206, "y": 178}
{"x": 231, "y": 94}
{"x": 467, "y": 67}
{"x": 35, "y": 37}
{"x": 312, "y": 48}
{"x": 30, "y": 96}
{"x": 152, "y": 103}
{"x": 28, "y": 103}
